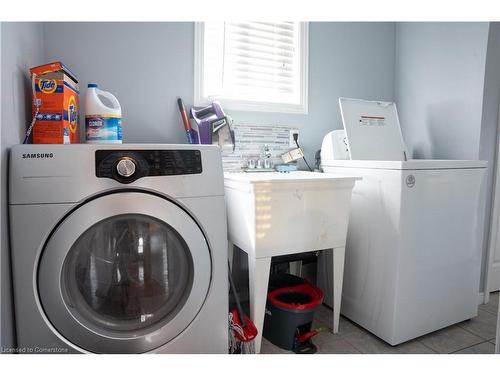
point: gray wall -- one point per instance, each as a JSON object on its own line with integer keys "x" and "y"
{"x": 21, "y": 45}
{"x": 145, "y": 65}
{"x": 148, "y": 65}
{"x": 439, "y": 87}
{"x": 440, "y": 79}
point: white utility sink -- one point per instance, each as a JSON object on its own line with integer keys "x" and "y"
{"x": 272, "y": 213}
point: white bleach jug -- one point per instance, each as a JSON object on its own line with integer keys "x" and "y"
{"x": 103, "y": 124}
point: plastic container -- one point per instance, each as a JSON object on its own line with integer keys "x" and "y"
{"x": 290, "y": 307}
{"x": 103, "y": 124}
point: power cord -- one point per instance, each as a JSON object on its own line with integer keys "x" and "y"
{"x": 296, "y": 140}
{"x": 37, "y": 103}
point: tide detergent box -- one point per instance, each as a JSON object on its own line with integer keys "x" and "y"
{"x": 56, "y": 90}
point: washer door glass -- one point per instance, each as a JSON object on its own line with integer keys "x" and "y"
{"x": 127, "y": 273}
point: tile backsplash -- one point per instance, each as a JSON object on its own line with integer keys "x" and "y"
{"x": 250, "y": 141}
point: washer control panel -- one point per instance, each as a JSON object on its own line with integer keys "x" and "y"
{"x": 127, "y": 166}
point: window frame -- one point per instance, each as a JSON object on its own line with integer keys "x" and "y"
{"x": 246, "y": 105}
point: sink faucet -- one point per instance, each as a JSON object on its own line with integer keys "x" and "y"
{"x": 264, "y": 160}
{"x": 266, "y": 153}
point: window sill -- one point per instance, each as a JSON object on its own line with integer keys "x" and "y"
{"x": 237, "y": 105}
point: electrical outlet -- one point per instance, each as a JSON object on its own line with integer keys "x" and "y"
{"x": 291, "y": 142}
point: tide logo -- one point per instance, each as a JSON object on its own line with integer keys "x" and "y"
{"x": 72, "y": 114}
{"x": 47, "y": 86}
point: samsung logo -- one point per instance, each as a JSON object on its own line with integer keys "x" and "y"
{"x": 38, "y": 156}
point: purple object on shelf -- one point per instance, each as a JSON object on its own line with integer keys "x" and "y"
{"x": 204, "y": 117}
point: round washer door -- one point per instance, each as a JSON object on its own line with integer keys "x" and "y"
{"x": 124, "y": 273}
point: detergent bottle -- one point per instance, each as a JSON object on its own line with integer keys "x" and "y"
{"x": 103, "y": 124}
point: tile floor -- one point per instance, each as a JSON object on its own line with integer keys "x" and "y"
{"x": 476, "y": 336}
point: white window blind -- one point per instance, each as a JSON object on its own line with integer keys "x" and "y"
{"x": 252, "y": 65}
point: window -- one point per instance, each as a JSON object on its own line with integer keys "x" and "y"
{"x": 259, "y": 66}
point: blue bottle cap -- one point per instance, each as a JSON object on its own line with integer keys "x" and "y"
{"x": 92, "y": 85}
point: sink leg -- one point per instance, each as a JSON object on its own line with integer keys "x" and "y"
{"x": 258, "y": 270}
{"x": 338, "y": 278}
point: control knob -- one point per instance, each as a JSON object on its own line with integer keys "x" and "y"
{"x": 125, "y": 167}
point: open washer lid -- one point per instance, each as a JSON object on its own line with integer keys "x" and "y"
{"x": 372, "y": 129}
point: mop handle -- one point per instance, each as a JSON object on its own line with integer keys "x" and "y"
{"x": 241, "y": 315}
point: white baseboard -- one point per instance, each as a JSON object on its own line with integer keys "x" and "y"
{"x": 480, "y": 298}
{"x": 494, "y": 277}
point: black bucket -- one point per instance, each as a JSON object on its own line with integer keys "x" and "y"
{"x": 290, "y": 310}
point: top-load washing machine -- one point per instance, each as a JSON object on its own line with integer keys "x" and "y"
{"x": 413, "y": 251}
{"x": 119, "y": 248}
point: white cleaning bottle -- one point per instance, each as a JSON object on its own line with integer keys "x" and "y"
{"x": 103, "y": 124}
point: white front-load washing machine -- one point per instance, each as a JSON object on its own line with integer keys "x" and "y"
{"x": 119, "y": 248}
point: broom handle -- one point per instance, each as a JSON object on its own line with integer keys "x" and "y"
{"x": 241, "y": 315}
